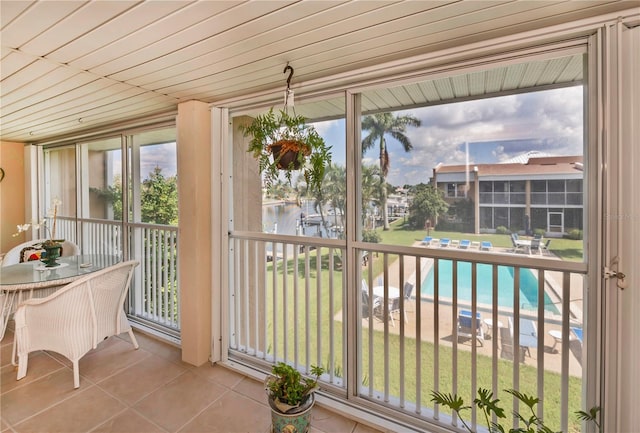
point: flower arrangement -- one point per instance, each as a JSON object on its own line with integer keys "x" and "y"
{"x": 53, "y": 215}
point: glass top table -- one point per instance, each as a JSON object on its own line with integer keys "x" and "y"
{"x": 19, "y": 281}
{"x": 34, "y": 274}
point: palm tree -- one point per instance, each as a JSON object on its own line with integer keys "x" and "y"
{"x": 335, "y": 186}
{"x": 379, "y": 125}
{"x": 370, "y": 190}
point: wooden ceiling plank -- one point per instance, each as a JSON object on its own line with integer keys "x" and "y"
{"x": 251, "y": 36}
{"x": 36, "y": 20}
{"x": 100, "y": 90}
{"x": 89, "y": 111}
{"x": 70, "y": 123}
{"x": 10, "y": 10}
{"x": 28, "y": 74}
{"x": 191, "y": 34}
{"x": 127, "y": 23}
{"x": 13, "y": 62}
{"x": 154, "y": 32}
{"x": 349, "y": 29}
{"x": 75, "y": 25}
{"x": 51, "y": 82}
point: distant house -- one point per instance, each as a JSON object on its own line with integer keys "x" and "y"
{"x": 532, "y": 191}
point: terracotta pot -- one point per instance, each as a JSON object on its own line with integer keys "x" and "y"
{"x": 287, "y": 160}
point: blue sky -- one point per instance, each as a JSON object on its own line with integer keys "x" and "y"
{"x": 496, "y": 129}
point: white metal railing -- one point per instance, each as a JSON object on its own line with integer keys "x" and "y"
{"x": 292, "y": 306}
{"x": 287, "y": 301}
{"x": 154, "y": 294}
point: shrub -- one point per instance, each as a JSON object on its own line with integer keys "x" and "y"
{"x": 502, "y": 230}
{"x": 575, "y": 234}
{"x": 371, "y": 236}
{"x": 539, "y": 232}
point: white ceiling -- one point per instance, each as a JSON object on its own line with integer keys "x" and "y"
{"x": 68, "y": 66}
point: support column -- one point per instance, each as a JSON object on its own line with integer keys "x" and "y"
{"x": 194, "y": 248}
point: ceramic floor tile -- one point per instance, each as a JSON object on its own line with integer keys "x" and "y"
{"x": 253, "y": 389}
{"x": 229, "y": 414}
{"x": 34, "y": 397}
{"x": 128, "y": 421}
{"x": 179, "y": 401}
{"x": 39, "y": 365}
{"x": 147, "y": 375}
{"x": 5, "y": 354}
{"x": 80, "y": 413}
{"x": 111, "y": 358}
{"x": 159, "y": 348}
{"x": 219, "y": 374}
{"x": 330, "y": 422}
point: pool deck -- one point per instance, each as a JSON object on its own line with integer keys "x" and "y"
{"x": 447, "y": 318}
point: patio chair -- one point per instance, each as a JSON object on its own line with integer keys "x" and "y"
{"x": 76, "y": 318}
{"x": 408, "y": 291}
{"x": 366, "y": 305}
{"x": 528, "y": 336}
{"x": 544, "y": 248}
{"x": 486, "y": 246}
{"x": 30, "y": 250}
{"x": 535, "y": 246}
{"x": 464, "y": 244}
{"x": 427, "y": 240}
{"x": 466, "y": 328}
{"x": 516, "y": 245}
{"x": 445, "y": 242}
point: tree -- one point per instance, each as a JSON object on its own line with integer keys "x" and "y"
{"x": 427, "y": 204}
{"x": 370, "y": 190}
{"x": 159, "y": 198}
{"x": 335, "y": 190}
{"x": 379, "y": 125}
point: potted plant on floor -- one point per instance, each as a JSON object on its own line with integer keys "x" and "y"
{"x": 283, "y": 142}
{"x": 291, "y": 397}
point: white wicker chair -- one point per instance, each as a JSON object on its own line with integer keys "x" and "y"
{"x": 13, "y": 255}
{"x": 73, "y": 320}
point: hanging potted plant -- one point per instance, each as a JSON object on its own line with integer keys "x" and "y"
{"x": 291, "y": 397}
{"x": 283, "y": 142}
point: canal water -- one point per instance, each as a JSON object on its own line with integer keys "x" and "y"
{"x": 290, "y": 219}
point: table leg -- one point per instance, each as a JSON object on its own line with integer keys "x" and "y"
{"x": 8, "y": 298}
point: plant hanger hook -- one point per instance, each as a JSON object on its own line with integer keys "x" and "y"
{"x": 288, "y": 94}
{"x": 290, "y": 74}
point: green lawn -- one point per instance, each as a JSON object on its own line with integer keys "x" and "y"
{"x": 326, "y": 336}
{"x": 400, "y": 234}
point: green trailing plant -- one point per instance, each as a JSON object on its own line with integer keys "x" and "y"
{"x": 288, "y": 389}
{"x": 489, "y": 406}
{"x": 283, "y": 142}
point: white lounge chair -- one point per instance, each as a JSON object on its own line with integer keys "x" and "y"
{"x": 76, "y": 318}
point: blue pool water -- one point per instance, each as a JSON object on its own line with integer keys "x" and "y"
{"x": 484, "y": 276}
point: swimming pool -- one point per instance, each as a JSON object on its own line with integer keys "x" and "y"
{"x": 484, "y": 277}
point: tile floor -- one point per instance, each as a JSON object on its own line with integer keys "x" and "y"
{"x": 135, "y": 391}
